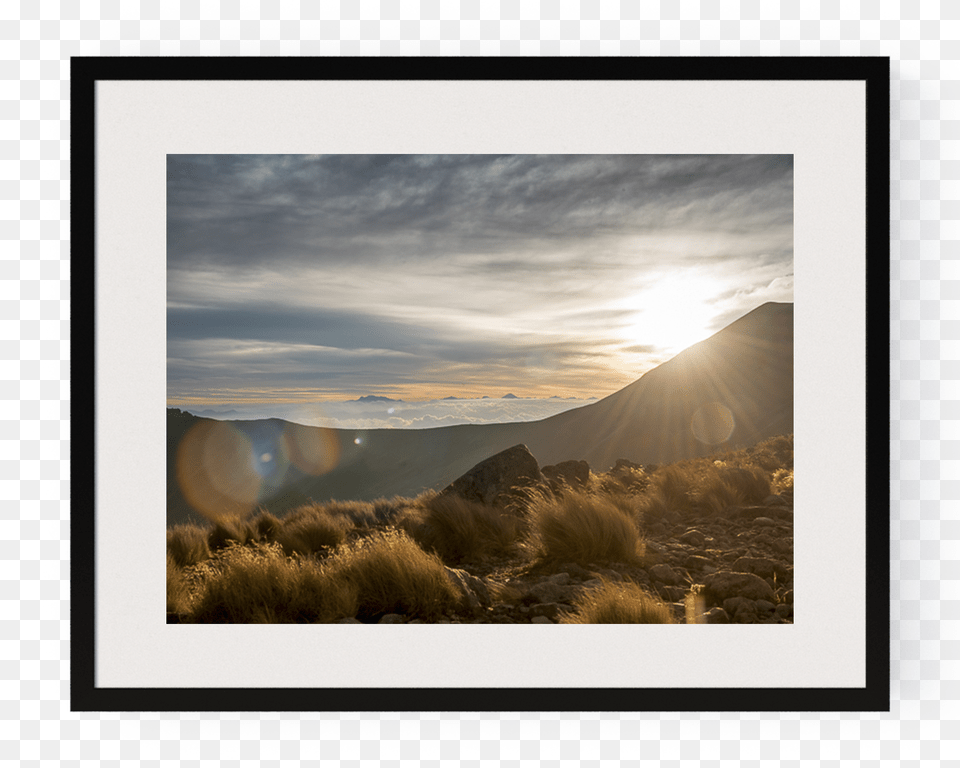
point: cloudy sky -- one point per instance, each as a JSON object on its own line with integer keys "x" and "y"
{"x": 327, "y": 277}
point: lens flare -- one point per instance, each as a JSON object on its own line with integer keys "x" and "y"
{"x": 214, "y": 470}
{"x": 712, "y": 423}
{"x": 314, "y": 450}
{"x": 227, "y": 469}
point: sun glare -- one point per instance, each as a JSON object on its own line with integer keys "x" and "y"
{"x": 674, "y": 313}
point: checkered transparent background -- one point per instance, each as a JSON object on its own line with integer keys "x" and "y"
{"x": 36, "y": 40}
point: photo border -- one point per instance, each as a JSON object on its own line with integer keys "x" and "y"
{"x": 85, "y": 695}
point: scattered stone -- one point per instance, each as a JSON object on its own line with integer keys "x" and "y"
{"x": 351, "y": 620}
{"x": 761, "y": 566}
{"x": 545, "y": 592}
{"x": 723, "y": 584}
{"x": 664, "y": 574}
{"x": 694, "y": 538}
{"x": 501, "y": 479}
{"x": 550, "y": 610}
{"x": 773, "y": 500}
{"x": 474, "y": 593}
{"x": 672, "y": 593}
{"x": 764, "y": 522}
{"x": 766, "y": 606}
{"x": 784, "y": 611}
{"x": 540, "y": 620}
{"x": 696, "y": 563}
{"x": 716, "y": 615}
{"x": 731, "y": 604}
{"x": 391, "y": 618}
{"x": 746, "y": 613}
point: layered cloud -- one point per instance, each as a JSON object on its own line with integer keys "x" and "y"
{"x": 330, "y": 277}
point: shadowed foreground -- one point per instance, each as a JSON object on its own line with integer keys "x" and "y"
{"x": 706, "y": 540}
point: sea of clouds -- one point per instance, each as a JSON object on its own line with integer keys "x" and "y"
{"x": 395, "y": 414}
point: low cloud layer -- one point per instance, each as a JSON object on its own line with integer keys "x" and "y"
{"x": 394, "y": 415}
{"x": 330, "y": 277}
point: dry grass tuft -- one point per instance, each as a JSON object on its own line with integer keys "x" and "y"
{"x": 583, "y": 527}
{"x": 178, "y": 591}
{"x": 187, "y": 544}
{"x": 266, "y": 525}
{"x": 392, "y": 574}
{"x": 312, "y": 529}
{"x": 617, "y": 603}
{"x": 459, "y": 530}
{"x": 259, "y": 585}
{"x": 227, "y": 528}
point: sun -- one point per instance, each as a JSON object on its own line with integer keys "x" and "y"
{"x": 673, "y": 313}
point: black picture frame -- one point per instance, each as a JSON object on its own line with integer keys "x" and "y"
{"x": 86, "y": 483}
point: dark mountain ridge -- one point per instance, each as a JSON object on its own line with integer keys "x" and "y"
{"x": 734, "y": 388}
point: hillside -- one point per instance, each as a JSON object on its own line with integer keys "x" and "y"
{"x": 746, "y": 368}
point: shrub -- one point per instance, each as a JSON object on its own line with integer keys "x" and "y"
{"x": 178, "y": 592}
{"x": 187, "y": 544}
{"x": 311, "y": 529}
{"x": 266, "y": 525}
{"x": 750, "y": 485}
{"x": 227, "y": 528}
{"x": 259, "y": 585}
{"x": 782, "y": 484}
{"x": 460, "y": 530}
{"x": 673, "y": 483}
{"x": 617, "y": 603}
{"x": 391, "y": 574}
{"x": 583, "y": 527}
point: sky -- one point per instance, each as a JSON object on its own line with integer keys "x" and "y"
{"x": 323, "y": 278}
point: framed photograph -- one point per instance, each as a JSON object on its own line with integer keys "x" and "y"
{"x": 480, "y": 384}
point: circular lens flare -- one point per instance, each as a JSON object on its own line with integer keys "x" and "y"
{"x": 712, "y": 424}
{"x": 226, "y": 470}
{"x": 214, "y": 470}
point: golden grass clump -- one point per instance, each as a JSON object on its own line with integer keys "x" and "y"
{"x": 617, "y": 603}
{"x": 392, "y": 574}
{"x": 260, "y": 585}
{"x": 230, "y": 527}
{"x": 310, "y": 529}
{"x": 459, "y": 530}
{"x": 709, "y": 485}
{"x": 178, "y": 592}
{"x": 187, "y": 544}
{"x": 583, "y": 527}
{"x": 266, "y": 525}
{"x": 782, "y": 484}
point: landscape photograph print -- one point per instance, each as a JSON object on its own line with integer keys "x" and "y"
{"x": 479, "y": 389}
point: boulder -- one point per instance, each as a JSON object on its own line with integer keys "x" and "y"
{"x": 719, "y": 586}
{"x": 499, "y": 480}
{"x": 474, "y": 592}
{"x": 572, "y": 474}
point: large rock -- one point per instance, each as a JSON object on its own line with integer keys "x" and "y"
{"x": 501, "y": 479}
{"x": 572, "y": 474}
{"x": 474, "y": 592}
{"x": 722, "y": 585}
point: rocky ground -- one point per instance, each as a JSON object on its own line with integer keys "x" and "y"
{"x": 732, "y": 567}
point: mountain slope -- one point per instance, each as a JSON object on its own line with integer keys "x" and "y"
{"x": 737, "y": 385}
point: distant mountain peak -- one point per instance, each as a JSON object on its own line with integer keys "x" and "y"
{"x": 376, "y": 399}
{"x": 509, "y": 396}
